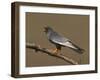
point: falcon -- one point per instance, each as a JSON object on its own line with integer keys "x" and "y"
{"x": 61, "y": 41}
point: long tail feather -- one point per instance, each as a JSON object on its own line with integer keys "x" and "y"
{"x": 78, "y": 49}
{"x": 74, "y": 47}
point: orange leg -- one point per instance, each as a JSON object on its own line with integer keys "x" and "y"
{"x": 56, "y": 51}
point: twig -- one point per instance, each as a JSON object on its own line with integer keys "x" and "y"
{"x": 47, "y": 51}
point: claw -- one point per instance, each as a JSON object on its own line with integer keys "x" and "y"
{"x": 56, "y": 51}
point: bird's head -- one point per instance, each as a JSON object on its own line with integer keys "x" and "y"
{"x": 47, "y": 29}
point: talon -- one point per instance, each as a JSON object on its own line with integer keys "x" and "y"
{"x": 56, "y": 51}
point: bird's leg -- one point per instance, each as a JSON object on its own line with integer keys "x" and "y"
{"x": 56, "y": 51}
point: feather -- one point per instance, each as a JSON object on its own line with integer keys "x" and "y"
{"x": 76, "y": 48}
{"x": 57, "y": 39}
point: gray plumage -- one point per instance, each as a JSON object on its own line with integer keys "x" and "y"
{"x": 60, "y": 41}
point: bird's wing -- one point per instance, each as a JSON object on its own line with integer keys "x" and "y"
{"x": 64, "y": 42}
{"x": 58, "y": 39}
{"x": 69, "y": 44}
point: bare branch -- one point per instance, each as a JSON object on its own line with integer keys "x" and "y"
{"x": 47, "y": 51}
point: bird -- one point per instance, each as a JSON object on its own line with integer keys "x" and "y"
{"x": 60, "y": 41}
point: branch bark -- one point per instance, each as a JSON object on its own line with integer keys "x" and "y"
{"x": 47, "y": 51}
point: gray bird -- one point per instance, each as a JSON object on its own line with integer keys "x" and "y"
{"x": 61, "y": 41}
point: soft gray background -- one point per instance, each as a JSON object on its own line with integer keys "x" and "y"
{"x": 74, "y": 27}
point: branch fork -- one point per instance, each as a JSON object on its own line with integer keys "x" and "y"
{"x": 47, "y": 51}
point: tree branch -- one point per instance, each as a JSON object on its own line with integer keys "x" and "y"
{"x": 47, "y": 51}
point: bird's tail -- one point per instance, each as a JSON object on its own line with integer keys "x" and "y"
{"x": 78, "y": 49}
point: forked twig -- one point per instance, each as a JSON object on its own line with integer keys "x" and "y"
{"x": 47, "y": 51}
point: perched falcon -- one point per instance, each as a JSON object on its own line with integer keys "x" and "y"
{"x": 60, "y": 41}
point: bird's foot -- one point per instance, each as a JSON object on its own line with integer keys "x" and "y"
{"x": 55, "y": 51}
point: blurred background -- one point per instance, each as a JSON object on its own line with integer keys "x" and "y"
{"x": 74, "y": 27}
